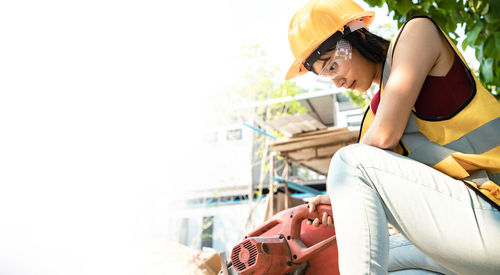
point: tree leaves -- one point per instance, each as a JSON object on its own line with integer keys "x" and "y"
{"x": 471, "y": 39}
{"x": 487, "y": 69}
{"x": 493, "y": 14}
{"x": 491, "y": 45}
{"x": 375, "y": 3}
{"x": 403, "y": 6}
{"x": 447, "y": 4}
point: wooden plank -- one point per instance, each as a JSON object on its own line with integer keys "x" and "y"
{"x": 307, "y": 135}
{"x": 303, "y": 154}
{"x": 305, "y": 139}
{"x": 318, "y": 132}
{"x": 337, "y": 138}
{"x": 312, "y": 134}
{"x": 311, "y": 137}
{"x": 315, "y": 149}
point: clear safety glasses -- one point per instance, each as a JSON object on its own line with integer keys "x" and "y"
{"x": 338, "y": 64}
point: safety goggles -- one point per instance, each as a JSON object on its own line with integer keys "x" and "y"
{"x": 340, "y": 57}
{"x": 338, "y": 64}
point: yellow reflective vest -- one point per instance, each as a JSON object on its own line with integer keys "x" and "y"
{"x": 465, "y": 145}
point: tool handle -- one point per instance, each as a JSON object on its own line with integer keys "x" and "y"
{"x": 305, "y": 254}
{"x": 290, "y": 222}
{"x": 293, "y": 217}
{"x": 264, "y": 228}
{"x": 299, "y": 252}
{"x": 318, "y": 212}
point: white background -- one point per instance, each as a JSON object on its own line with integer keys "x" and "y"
{"x": 100, "y": 101}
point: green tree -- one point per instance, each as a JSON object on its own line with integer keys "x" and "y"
{"x": 263, "y": 82}
{"x": 482, "y": 28}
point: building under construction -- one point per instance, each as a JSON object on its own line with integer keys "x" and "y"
{"x": 233, "y": 196}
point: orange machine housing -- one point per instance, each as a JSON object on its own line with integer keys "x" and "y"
{"x": 286, "y": 241}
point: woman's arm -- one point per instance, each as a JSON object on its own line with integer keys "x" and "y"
{"x": 420, "y": 51}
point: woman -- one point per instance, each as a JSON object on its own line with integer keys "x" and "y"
{"x": 428, "y": 160}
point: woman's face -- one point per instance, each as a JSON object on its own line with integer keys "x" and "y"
{"x": 358, "y": 73}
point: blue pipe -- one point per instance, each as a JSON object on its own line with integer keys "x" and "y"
{"x": 299, "y": 187}
{"x": 305, "y": 195}
{"x": 215, "y": 202}
{"x": 262, "y": 132}
{"x": 224, "y": 202}
{"x": 306, "y": 192}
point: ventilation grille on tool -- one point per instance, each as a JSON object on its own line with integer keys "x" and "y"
{"x": 235, "y": 259}
{"x": 251, "y": 254}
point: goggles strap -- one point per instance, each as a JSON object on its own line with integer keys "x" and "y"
{"x": 324, "y": 47}
{"x": 332, "y": 41}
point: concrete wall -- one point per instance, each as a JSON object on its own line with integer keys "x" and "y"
{"x": 223, "y": 163}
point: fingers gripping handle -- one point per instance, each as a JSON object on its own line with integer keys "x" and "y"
{"x": 299, "y": 251}
{"x": 318, "y": 212}
{"x": 299, "y": 213}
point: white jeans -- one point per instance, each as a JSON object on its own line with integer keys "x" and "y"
{"x": 405, "y": 258}
{"x": 443, "y": 218}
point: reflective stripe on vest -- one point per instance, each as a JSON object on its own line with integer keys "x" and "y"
{"x": 477, "y": 141}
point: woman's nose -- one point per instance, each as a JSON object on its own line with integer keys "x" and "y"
{"x": 338, "y": 82}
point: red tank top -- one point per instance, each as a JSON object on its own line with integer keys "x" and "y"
{"x": 440, "y": 96}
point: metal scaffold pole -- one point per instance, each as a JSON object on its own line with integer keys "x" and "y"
{"x": 271, "y": 183}
{"x": 286, "y": 172}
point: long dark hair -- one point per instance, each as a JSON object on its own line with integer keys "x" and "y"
{"x": 371, "y": 46}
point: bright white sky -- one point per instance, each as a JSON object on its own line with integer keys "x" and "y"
{"x": 99, "y": 102}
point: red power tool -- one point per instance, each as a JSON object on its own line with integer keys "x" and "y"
{"x": 286, "y": 244}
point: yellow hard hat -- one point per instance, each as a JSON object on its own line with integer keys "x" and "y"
{"x": 316, "y": 22}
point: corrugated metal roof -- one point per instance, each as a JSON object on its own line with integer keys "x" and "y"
{"x": 294, "y": 124}
{"x": 321, "y": 108}
{"x": 320, "y": 115}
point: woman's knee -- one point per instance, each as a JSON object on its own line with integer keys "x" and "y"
{"x": 346, "y": 162}
{"x": 350, "y": 155}
{"x": 356, "y": 154}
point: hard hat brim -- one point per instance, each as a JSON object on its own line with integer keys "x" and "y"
{"x": 297, "y": 68}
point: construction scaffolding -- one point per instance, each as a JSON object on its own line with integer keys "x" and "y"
{"x": 312, "y": 150}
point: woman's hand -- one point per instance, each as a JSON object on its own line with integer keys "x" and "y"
{"x": 326, "y": 220}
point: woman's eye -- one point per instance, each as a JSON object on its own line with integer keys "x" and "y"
{"x": 334, "y": 66}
